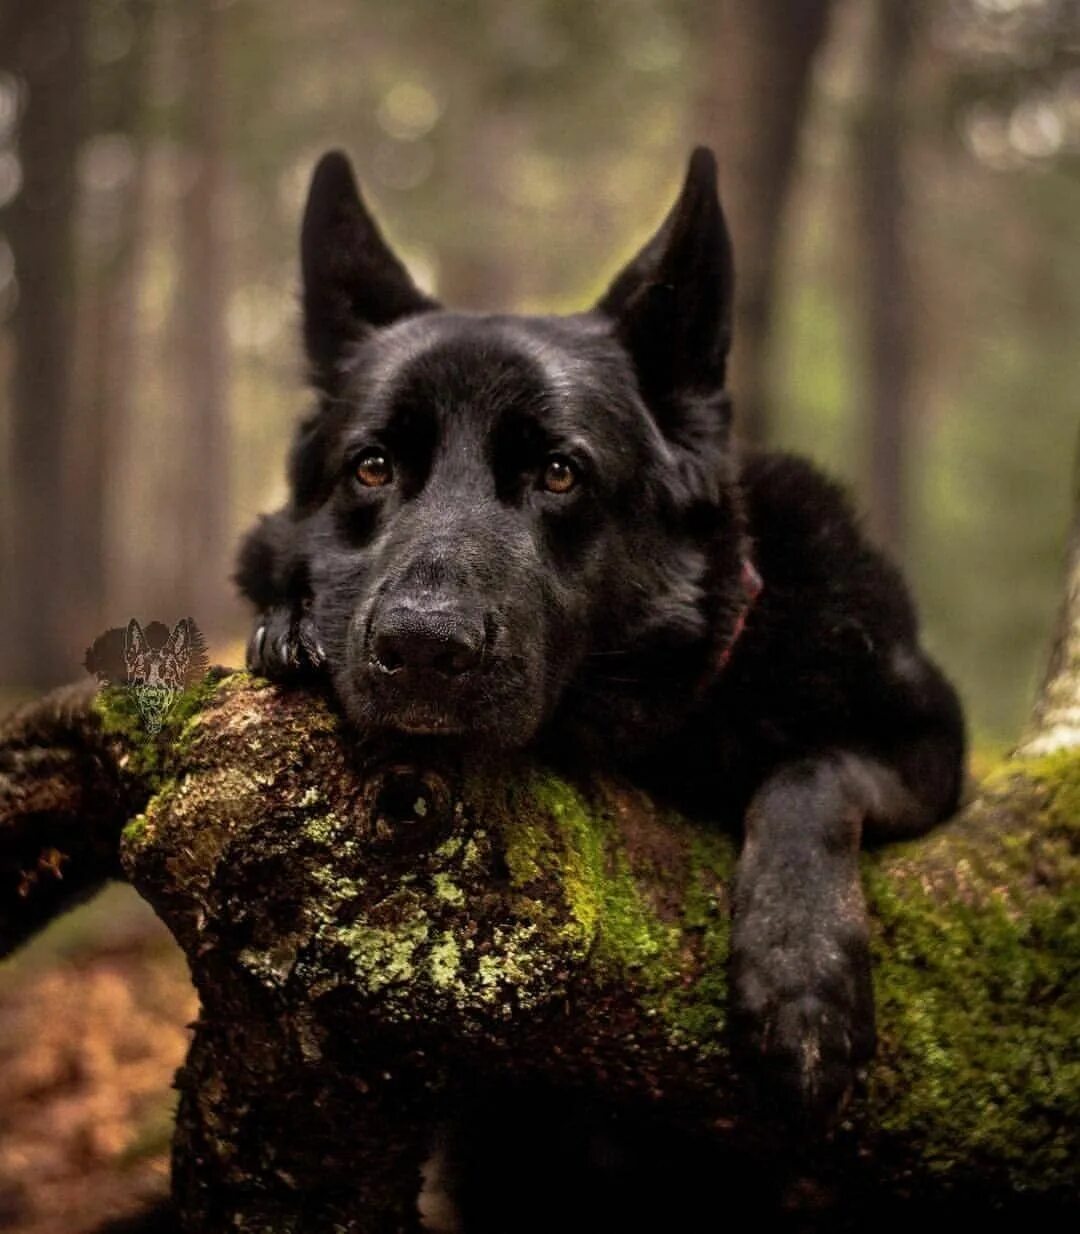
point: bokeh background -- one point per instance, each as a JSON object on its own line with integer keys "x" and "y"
{"x": 903, "y": 183}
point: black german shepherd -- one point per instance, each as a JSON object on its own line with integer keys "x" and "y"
{"x": 536, "y": 531}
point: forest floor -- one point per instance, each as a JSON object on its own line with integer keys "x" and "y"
{"x": 92, "y": 1028}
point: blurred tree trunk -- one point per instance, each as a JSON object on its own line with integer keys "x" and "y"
{"x": 46, "y": 51}
{"x": 1055, "y": 722}
{"x": 887, "y": 306}
{"x": 475, "y": 272}
{"x": 757, "y": 85}
{"x": 203, "y": 536}
{"x": 113, "y": 212}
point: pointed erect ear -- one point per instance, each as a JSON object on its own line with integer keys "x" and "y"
{"x": 672, "y": 305}
{"x": 135, "y": 643}
{"x": 179, "y": 640}
{"x": 352, "y": 280}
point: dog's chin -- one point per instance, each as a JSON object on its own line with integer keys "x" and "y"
{"x": 494, "y": 726}
{"x": 426, "y": 724}
{"x": 486, "y": 729}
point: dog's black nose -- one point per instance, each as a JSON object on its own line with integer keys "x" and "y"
{"x": 435, "y": 640}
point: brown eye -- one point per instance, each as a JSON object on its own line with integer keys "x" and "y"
{"x": 373, "y": 469}
{"x": 559, "y": 475}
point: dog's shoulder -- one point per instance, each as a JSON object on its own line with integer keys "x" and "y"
{"x": 834, "y": 625}
{"x": 819, "y": 565}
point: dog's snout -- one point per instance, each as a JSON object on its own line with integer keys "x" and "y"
{"x": 440, "y": 641}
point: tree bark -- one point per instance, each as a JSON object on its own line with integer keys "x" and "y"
{"x": 1055, "y": 721}
{"x": 754, "y": 99}
{"x": 367, "y": 928}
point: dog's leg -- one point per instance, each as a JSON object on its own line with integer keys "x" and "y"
{"x": 284, "y": 644}
{"x": 802, "y": 1002}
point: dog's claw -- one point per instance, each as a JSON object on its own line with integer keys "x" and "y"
{"x": 255, "y": 647}
{"x": 310, "y": 643}
{"x": 285, "y": 646}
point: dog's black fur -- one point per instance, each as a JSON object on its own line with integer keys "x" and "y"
{"x": 537, "y": 531}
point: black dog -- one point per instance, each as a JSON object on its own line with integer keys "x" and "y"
{"x": 535, "y": 530}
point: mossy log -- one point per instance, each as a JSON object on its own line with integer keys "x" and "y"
{"x": 368, "y": 928}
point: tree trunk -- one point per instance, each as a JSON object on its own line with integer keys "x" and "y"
{"x": 1055, "y": 722}
{"x": 887, "y": 308}
{"x": 203, "y": 537}
{"x": 368, "y": 930}
{"x": 757, "y": 85}
{"x": 47, "y": 53}
{"x": 113, "y": 219}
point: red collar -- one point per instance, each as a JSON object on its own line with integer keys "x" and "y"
{"x": 752, "y": 587}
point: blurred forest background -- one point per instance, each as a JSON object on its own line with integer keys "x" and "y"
{"x": 903, "y": 182}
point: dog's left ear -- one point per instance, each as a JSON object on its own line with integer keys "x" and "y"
{"x": 352, "y": 279}
{"x": 179, "y": 640}
{"x": 672, "y": 305}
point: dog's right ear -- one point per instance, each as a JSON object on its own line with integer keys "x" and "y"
{"x": 179, "y": 641}
{"x": 352, "y": 280}
{"x": 672, "y": 305}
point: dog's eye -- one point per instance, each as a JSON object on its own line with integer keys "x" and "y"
{"x": 559, "y": 474}
{"x": 373, "y": 469}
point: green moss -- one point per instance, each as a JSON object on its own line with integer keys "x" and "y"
{"x": 193, "y": 701}
{"x": 696, "y": 1012}
{"x": 121, "y": 719}
{"x": 1058, "y": 777}
{"x": 610, "y": 911}
{"x": 139, "y": 831}
{"x": 978, "y": 1007}
{"x": 135, "y": 829}
{"x": 629, "y": 938}
{"x": 149, "y": 755}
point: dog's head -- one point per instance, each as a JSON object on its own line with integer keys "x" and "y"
{"x": 503, "y": 519}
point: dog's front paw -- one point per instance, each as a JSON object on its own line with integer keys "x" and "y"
{"x": 802, "y": 1013}
{"x": 285, "y": 646}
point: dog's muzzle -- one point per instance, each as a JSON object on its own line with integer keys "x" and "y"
{"x": 413, "y": 643}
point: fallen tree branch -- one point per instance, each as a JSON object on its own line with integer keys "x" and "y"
{"x": 367, "y": 931}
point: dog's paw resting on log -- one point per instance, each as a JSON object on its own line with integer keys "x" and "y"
{"x": 509, "y": 532}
